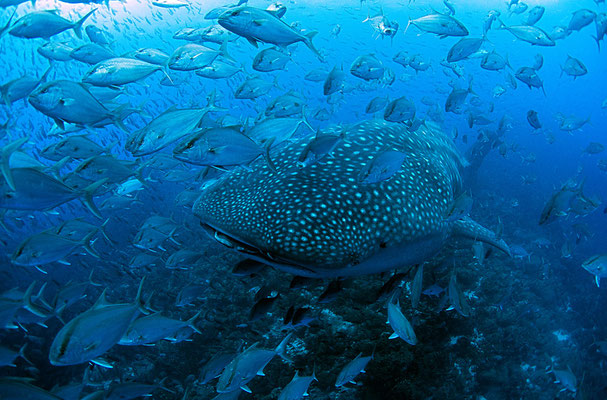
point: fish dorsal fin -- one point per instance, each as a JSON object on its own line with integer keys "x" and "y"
{"x": 274, "y": 13}
{"x": 101, "y": 301}
{"x": 251, "y": 347}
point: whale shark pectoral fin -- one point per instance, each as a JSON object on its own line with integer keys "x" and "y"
{"x": 466, "y": 227}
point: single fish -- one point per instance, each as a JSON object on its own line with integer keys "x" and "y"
{"x": 270, "y": 59}
{"x": 247, "y": 365}
{"x": 573, "y": 67}
{"x": 297, "y": 388}
{"x": 152, "y": 328}
{"x": 98, "y": 36}
{"x": 67, "y": 101}
{"x": 44, "y": 24}
{"x": 192, "y": 56}
{"x": 334, "y": 82}
{"x": 91, "y": 53}
{"x": 529, "y": 76}
{"x": 95, "y": 331}
{"x": 169, "y": 127}
{"x": 401, "y": 325}
{"x": 580, "y": 19}
{"x": 255, "y": 24}
{"x": 534, "y": 15}
{"x": 56, "y": 51}
{"x": 464, "y": 48}
{"x": 367, "y": 67}
{"x": 597, "y": 266}
{"x": 530, "y": 34}
{"x": 533, "y": 119}
{"x": 440, "y": 24}
{"x": 377, "y": 104}
{"x": 417, "y": 285}
{"x": 20, "y": 88}
{"x": 220, "y": 147}
{"x": 119, "y": 71}
{"x": 382, "y": 167}
{"x": 352, "y": 369}
{"x": 35, "y": 190}
{"x": 213, "y": 367}
{"x": 47, "y": 247}
{"x": 400, "y": 110}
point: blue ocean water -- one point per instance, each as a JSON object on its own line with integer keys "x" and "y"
{"x": 530, "y": 324}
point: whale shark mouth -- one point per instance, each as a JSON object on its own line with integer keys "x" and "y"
{"x": 254, "y": 252}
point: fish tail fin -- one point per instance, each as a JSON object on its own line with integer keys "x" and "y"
{"x": 142, "y": 304}
{"x": 501, "y": 24}
{"x": 87, "y": 242}
{"x": 408, "y": 25}
{"x": 5, "y": 155}
{"x": 309, "y": 36}
{"x": 470, "y": 90}
{"x": 4, "y": 93}
{"x": 48, "y": 71}
{"x": 78, "y": 24}
{"x": 165, "y": 71}
{"x": 281, "y": 349}
{"x": 8, "y": 23}
{"x": 91, "y": 281}
{"x": 223, "y": 50}
{"x": 105, "y": 235}
{"x": 466, "y": 227}
{"x": 119, "y": 114}
{"x": 108, "y": 149}
{"x": 54, "y": 170}
{"x": 58, "y": 311}
{"x": 598, "y": 42}
{"x": 87, "y": 196}
{"x": 29, "y": 305}
{"x": 139, "y": 175}
{"x": 191, "y": 321}
{"x": 22, "y": 354}
{"x": 212, "y": 98}
{"x": 304, "y": 119}
{"x": 266, "y": 154}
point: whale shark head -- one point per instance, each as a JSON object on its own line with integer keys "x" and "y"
{"x": 321, "y": 219}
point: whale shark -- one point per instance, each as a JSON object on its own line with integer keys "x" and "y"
{"x": 321, "y": 220}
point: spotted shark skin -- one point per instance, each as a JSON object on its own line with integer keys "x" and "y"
{"x": 322, "y": 221}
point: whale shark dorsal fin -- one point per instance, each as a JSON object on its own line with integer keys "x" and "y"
{"x": 467, "y": 227}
